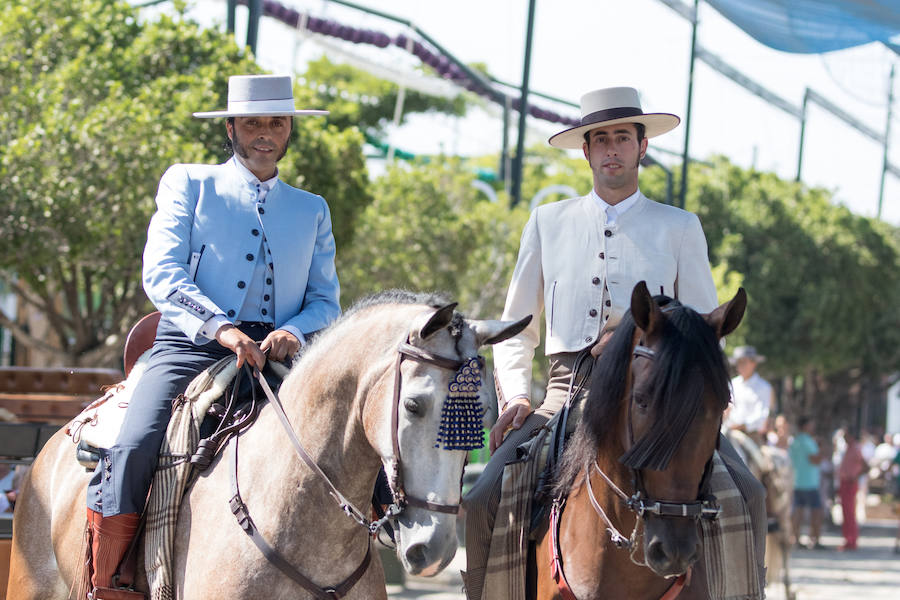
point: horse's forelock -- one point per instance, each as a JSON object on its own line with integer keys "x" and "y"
{"x": 688, "y": 359}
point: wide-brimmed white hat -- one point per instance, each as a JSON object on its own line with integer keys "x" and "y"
{"x": 748, "y": 352}
{"x": 609, "y": 106}
{"x": 259, "y": 96}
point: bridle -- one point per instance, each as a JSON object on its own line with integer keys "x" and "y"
{"x": 400, "y": 499}
{"x": 705, "y": 507}
{"x": 395, "y": 480}
{"x": 399, "y": 496}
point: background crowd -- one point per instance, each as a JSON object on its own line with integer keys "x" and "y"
{"x": 837, "y": 476}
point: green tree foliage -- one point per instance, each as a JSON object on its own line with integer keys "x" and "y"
{"x": 820, "y": 281}
{"x": 94, "y": 106}
{"x": 429, "y": 229}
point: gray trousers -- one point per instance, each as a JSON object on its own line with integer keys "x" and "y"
{"x": 483, "y": 499}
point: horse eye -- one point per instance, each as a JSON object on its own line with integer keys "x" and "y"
{"x": 411, "y": 406}
{"x": 641, "y": 399}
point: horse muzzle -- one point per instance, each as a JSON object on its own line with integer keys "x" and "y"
{"x": 426, "y": 548}
{"x": 671, "y": 553}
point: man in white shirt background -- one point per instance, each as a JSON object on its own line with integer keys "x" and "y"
{"x": 752, "y": 397}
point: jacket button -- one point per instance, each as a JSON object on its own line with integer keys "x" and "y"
{"x": 608, "y": 233}
{"x": 230, "y": 313}
{"x": 268, "y": 281}
{"x": 254, "y": 231}
{"x": 266, "y": 297}
{"x": 262, "y": 211}
{"x": 264, "y": 312}
{"x": 602, "y": 256}
{"x": 595, "y": 281}
{"x": 250, "y": 257}
{"x": 593, "y": 312}
{"x": 608, "y": 303}
{"x": 241, "y": 285}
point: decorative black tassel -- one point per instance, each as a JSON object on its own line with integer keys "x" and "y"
{"x": 462, "y": 413}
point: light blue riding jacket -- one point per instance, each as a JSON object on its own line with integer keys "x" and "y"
{"x": 203, "y": 240}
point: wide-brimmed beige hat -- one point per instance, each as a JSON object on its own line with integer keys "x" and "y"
{"x": 260, "y": 96}
{"x": 609, "y": 106}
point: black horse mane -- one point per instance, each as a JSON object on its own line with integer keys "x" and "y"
{"x": 688, "y": 359}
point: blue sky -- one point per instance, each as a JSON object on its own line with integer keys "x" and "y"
{"x": 581, "y": 45}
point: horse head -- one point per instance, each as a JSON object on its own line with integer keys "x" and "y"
{"x": 672, "y": 415}
{"x": 436, "y": 419}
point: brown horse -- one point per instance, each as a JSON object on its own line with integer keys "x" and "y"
{"x": 340, "y": 399}
{"x": 625, "y": 522}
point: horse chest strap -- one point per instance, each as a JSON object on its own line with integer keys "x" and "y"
{"x": 240, "y": 511}
{"x": 556, "y": 553}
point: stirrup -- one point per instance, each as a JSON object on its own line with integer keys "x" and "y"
{"x": 106, "y": 593}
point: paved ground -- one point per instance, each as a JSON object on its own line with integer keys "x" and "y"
{"x": 870, "y": 573}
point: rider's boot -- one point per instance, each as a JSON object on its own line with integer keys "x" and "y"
{"x": 110, "y": 538}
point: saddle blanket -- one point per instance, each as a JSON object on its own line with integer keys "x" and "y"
{"x": 173, "y": 474}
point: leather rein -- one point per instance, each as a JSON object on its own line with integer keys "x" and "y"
{"x": 399, "y": 496}
{"x": 638, "y": 503}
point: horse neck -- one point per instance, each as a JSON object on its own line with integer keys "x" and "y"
{"x": 327, "y": 392}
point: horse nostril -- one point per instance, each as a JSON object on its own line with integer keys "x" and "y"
{"x": 416, "y": 556}
{"x": 656, "y": 554}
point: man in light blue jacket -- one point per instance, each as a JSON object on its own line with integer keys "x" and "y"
{"x": 236, "y": 261}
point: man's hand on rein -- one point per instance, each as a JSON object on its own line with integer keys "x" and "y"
{"x": 280, "y": 344}
{"x": 242, "y": 345}
{"x": 513, "y": 417}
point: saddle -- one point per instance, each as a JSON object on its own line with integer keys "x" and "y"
{"x": 228, "y": 399}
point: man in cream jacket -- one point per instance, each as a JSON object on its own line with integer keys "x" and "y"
{"x": 579, "y": 260}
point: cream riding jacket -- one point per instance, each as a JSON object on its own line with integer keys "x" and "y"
{"x": 581, "y": 271}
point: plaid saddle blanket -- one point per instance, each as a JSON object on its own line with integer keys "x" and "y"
{"x": 729, "y": 556}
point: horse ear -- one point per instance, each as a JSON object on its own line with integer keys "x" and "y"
{"x": 494, "y": 332}
{"x": 727, "y": 317}
{"x": 437, "y": 321}
{"x": 644, "y": 310}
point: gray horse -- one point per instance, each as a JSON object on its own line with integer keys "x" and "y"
{"x": 339, "y": 398}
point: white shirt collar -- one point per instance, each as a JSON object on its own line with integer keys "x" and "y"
{"x": 620, "y": 208}
{"x": 252, "y": 179}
